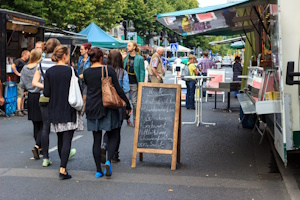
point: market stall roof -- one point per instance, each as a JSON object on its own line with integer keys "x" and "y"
{"x": 180, "y": 49}
{"x": 227, "y": 41}
{"x": 238, "y": 45}
{"x": 100, "y": 38}
{"x": 77, "y": 40}
{"x": 201, "y": 9}
{"x": 19, "y": 17}
{"x": 213, "y": 20}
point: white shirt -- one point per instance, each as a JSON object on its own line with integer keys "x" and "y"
{"x": 146, "y": 64}
{"x": 177, "y": 61}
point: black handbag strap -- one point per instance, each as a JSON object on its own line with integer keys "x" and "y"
{"x": 42, "y": 72}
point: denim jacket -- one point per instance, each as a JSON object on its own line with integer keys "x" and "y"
{"x": 124, "y": 82}
{"x": 86, "y": 64}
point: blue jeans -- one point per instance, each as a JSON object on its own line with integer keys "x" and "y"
{"x": 190, "y": 95}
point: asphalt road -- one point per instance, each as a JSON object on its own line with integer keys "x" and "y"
{"x": 217, "y": 162}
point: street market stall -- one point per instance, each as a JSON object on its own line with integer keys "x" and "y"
{"x": 272, "y": 44}
{"x": 18, "y": 32}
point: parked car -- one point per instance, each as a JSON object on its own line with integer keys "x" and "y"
{"x": 185, "y": 60}
{"x": 226, "y": 62}
{"x": 172, "y": 60}
{"x": 166, "y": 62}
{"x": 218, "y": 58}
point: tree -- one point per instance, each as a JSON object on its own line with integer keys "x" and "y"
{"x": 66, "y": 12}
{"x": 108, "y": 13}
{"x": 32, "y": 7}
{"x": 139, "y": 13}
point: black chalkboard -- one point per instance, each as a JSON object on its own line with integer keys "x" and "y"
{"x": 157, "y": 116}
{"x": 158, "y": 121}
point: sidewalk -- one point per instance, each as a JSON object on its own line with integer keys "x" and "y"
{"x": 217, "y": 162}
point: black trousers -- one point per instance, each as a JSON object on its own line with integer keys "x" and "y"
{"x": 64, "y": 141}
{"x": 112, "y": 144}
{"x": 105, "y": 138}
{"x": 45, "y": 131}
{"x": 37, "y": 133}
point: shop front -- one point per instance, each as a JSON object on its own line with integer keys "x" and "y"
{"x": 18, "y": 32}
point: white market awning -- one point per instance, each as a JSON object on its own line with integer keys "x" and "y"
{"x": 227, "y": 41}
{"x": 180, "y": 49}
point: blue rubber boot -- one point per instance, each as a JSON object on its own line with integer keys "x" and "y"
{"x": 98, "y": 174}
{"x": 107, "y": 170}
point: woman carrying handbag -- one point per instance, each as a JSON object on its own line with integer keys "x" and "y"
{"x": 63, "y": 118}
{"x": 115, "y": 60}
{"x": 99, "y": 117}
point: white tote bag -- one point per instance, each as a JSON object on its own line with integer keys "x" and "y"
{"x": 75, "y": 98}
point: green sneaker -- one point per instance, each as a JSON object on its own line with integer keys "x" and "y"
{"x": 47, "y": 162}
{"x": 72, "y": 153}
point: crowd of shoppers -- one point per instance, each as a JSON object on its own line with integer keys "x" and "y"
{"x": 46, "y": 78}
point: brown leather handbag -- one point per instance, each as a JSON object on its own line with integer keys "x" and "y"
{"x": 110, "y": 97}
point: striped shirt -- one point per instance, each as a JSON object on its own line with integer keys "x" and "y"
{"x": 205, "y": 64}
{"x": 46, "y": 64}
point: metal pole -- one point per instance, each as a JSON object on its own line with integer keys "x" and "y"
{"x": 165, "y": 48}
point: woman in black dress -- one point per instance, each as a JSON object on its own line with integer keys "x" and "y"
{"x": 34, "y": 111}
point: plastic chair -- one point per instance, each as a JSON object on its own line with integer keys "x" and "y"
{"x": 219, "y": 76}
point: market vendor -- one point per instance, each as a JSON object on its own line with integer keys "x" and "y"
{"x": 17, "y": 66}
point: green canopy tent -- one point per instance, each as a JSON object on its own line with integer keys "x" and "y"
{"x": 100, "y": 38}
{"x": 238, "y": 45}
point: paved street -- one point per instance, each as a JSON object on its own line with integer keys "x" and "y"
{"x": 217, "y": 162}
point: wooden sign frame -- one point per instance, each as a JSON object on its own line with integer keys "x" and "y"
{"x": 175, "y": 152}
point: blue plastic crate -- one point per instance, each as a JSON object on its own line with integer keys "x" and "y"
{"x": 10, "y": 96}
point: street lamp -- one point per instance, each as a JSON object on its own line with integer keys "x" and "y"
{"x": 131, "y": 27}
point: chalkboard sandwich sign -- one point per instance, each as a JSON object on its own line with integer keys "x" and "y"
{"x": 158, "y": 119}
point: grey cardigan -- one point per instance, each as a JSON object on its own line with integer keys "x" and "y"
{"x": 26, "y": 79}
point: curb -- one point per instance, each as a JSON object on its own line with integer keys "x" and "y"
{"x": 287, "y": 176}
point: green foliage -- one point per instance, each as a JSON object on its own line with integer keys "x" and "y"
{"x": 66, "y": 12}
{"x": 32, "y": 7}
{"x": 109, "y": 13}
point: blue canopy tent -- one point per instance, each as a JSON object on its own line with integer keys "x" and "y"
{"x": 100, "y": 38}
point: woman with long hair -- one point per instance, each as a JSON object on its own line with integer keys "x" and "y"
{"x": 38, "y": 81}
{"x": 34, "y": 111}
{"x": 100, "y": 118}
{"x": 83, "y": 64}
{"x": 63, "y": 118}
{"x": 115, "y": 60}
